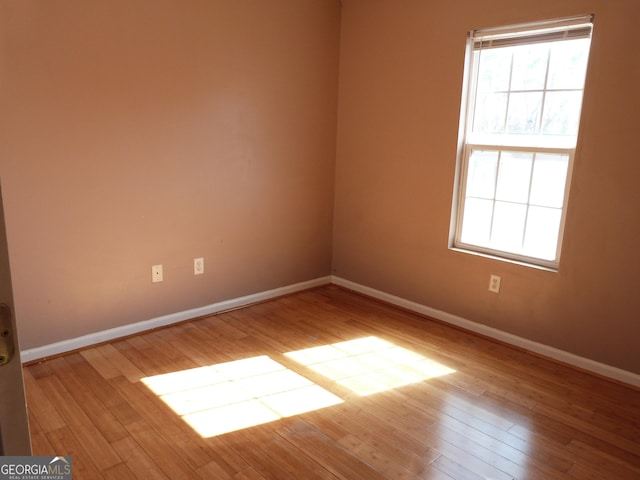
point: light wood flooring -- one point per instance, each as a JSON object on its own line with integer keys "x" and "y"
{"x": 479, "y": 410}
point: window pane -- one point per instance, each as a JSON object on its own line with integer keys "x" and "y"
{"x": 530, "y": 67}
{"x": 541, "y": 238}
{"x": 568, "y": 64}
{"x": 476, "y": 222}
{"x": 524, "y": 97}
{"x": 513, "y": 177}
{"x": 549, "y": 180}
{"x": 494, "y": 70}
{"x": 524, "y": 112}
{"x": 561, "y": 113}
{"x": 490, "y": 113}
{"x": 481, "y": 179}
{"x": 508, "y": 227}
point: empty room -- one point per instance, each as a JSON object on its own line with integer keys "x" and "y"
{"x": 299, "y": 239}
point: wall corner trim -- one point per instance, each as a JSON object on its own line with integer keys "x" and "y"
{"x": 583, "y": 363}
{"x": 39, "y": 353}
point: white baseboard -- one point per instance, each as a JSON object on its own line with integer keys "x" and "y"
{"x": 57, "y": 348}
{"x": 587, "y": 364}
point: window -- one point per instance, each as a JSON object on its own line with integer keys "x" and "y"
{"x": 519, "y": 127}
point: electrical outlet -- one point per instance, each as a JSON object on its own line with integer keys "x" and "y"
{"x": 198, "y": 266}
{"x": 156, "y": 273}
{"x": 494, "y": 283}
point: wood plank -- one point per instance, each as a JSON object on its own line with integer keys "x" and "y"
{"x": 191, "y": 447}
{"x": 502, "y": 414}
{"x": 41, "y": 408}
{"x": 566, "y": 418}
{"x": 96, "y": 446}
{"x": 213, "y": 470}
{"x": 103, "y": 366}
{"x": 327, "y": 453}
{"x": 65, "y": 443}
{"x": 274, "y": 456}
{"x": 101, "y": 417}
{"x": 122, "y": 364}
{"x": 384, "y": 437}
{"x": 390, "y": 465}
{"x": 138, "y": 461}
{"x": 39, "y": 442}
{"x": 473, "y": 456}
{"x": 103, "y": 390}
{"x": 547, "y": 453}
{"x": 161, "y": 452}
{"x": 119, "y": 472}
{"x": 248, "y": 474}
{"x": 454, "y": 470}
{"x": 602, "y": 461}
{"x": 502, "y": 456}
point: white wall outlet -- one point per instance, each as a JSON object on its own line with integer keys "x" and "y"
{"x": 494, "y": 283}
{"x": 198, "y": 266}
{"x": 156, "y": 273}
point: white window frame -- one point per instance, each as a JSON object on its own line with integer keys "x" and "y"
{"x": 567, "y": 28}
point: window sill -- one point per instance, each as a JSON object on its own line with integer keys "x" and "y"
{"x": 522, "y": 263}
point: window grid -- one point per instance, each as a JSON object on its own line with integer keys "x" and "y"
{"x": 494, "y": 126}
{"x": 527, "y": 204}
{"x": 510, "y": 91}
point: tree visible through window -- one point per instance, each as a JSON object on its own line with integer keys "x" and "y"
{"x": 521, "y": 114}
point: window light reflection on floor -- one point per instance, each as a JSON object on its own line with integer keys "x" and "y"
{"x": 231, "y": 396}
{"x": 369, "y": 365}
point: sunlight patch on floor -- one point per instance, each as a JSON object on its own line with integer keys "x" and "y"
{"x": 231, "y": 396}
{"x": 369, "y": 365}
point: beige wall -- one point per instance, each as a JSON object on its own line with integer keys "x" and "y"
{"x": 136, "y": 132}
{"x": 141, "y": 132}
{"x": 399, "y": 101}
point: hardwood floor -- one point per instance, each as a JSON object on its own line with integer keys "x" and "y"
{"x": 390, "y": 395}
